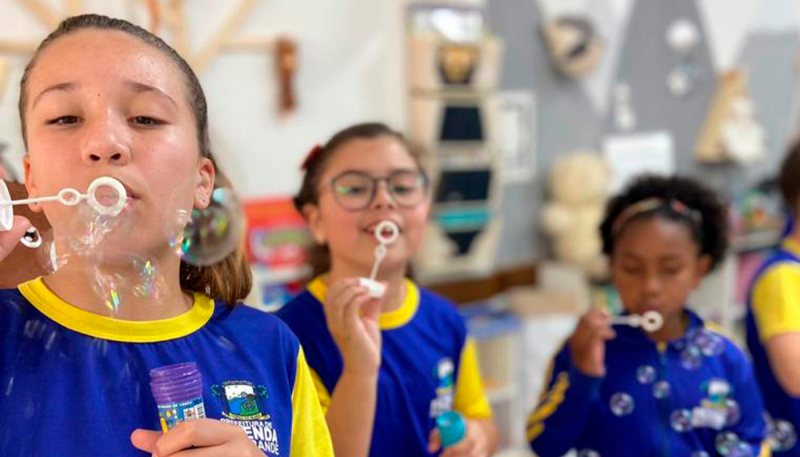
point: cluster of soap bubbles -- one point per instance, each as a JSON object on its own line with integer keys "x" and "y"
{"x": 92, "y": 237}
{"x": 782, "y": 435}
{"x": 729, "y": 444}
{"x": 697, "y": 344}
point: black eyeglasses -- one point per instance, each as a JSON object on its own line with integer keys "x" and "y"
{"x": 355, "y": 190}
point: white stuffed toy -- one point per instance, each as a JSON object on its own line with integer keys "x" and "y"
{"x": 578, "y": 187}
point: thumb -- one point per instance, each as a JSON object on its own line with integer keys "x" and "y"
{"x": 145, "y": 440}
{"x": 10, "y": 239}
{"x": 434, "y": 441}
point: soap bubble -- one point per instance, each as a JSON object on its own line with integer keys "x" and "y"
{"x": 661, "y": 389}
{"x": 691, "y": 357}
{"x": 783, "y": 436}
{"x": 741, "y": 449}
{"x": 214, "y": 232}
{"x": 681, "y": 420}
{"x": 713, "y": 345}
{"x": 732, "y": 412}
{"x": 588, "y": 453}
{"x": 646, "y": 374}
{"x": 726, "y": 443}
{"x": 700, "y": 454}
{"x": 621, "y": 404}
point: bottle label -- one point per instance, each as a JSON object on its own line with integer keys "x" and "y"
{"x": 172, "y": 414}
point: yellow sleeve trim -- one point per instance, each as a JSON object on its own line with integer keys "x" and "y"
{"x": 322, "y": 391}
{"x": 766, "y": 448}
{"x": 546, "y": 408}
{"x": 109, "y": 328}
{"x": 470, "y": 399}
{"x": 776, "y": 301}
{"x": 310, "y": 435}
{"x": 387, "y": 321}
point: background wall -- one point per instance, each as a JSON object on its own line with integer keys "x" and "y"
{"x": 352, "y": 63}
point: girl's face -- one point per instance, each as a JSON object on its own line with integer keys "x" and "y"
{"x": 103, "y": 103}
{"x": 349, "y": 233}
{"x": 655, "y": 265}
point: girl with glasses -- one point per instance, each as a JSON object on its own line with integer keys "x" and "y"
{"x": 385, "y": 368}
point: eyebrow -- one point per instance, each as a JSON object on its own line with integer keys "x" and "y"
{"x": 143, "y": 88}
{"x": 134, "y": 85}
{"x": 65, "y": 87}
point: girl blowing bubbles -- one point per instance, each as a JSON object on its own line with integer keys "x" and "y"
{"x": 681, "y": 390}
{"x": 103, "y": 97}
{"x": 386, "y": 368}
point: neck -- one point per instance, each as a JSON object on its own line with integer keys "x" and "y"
{"x": 795, "y": 235}
{"x": 85, "y": 285}
{"x": 394, "y": 278}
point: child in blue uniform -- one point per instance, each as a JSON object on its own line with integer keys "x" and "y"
{"x": 102, "y": 97}
{"x": 385, "y": 368}
{"x": 773, "y": 322}
{"x": 683, "y": 390}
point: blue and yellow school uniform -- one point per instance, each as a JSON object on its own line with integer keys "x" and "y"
{"x": 75, "y": 383}
{"x": 429, "y": 366}
{"x": 774, "y": 309}
{"x": 655, "y": 400}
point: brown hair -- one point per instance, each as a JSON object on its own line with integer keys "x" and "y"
{"x": 229, "y": 280}
{"x": 789, "y": 179}
{"x": 316, "y": 164}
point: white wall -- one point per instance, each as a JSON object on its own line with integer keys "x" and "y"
{"x": 351, "y": 69}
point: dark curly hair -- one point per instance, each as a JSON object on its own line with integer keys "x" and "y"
{"x": 789, "y": 179}
{"x": 683, "y": 200}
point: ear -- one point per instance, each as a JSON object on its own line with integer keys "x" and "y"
{"x": 30, "y": 184}
{"x": 312, "y": 214}
{"x": 205, "y": 184}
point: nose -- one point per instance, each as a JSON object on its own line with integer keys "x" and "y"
{"x": 383, "y": 198}
{"x": 106, "y": 142}
{"x": 652, "y": 284}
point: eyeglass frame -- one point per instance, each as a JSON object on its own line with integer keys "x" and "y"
{"x": 376, "y": 182}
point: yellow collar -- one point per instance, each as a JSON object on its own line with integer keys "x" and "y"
{"x": 108, "y": 328}
{"x": 387, "y": 321}
{"x": 792, "y": 245}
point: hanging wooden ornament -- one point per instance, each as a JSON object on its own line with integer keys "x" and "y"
{"x": 286, "y": 67}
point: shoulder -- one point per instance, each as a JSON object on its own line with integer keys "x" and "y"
{"x": 437, "y": 304}
{"x": 300, "y": 307}
{"x": 712, "y": 340}
{"x": 246, "y": 320}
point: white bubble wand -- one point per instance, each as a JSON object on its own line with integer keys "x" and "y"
{"x": 650, "y": 321}
{"x": 68, "y": 197}
{"x": 386, "y": 232}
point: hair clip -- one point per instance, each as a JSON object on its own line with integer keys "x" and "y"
{"x": 312, "y": 155}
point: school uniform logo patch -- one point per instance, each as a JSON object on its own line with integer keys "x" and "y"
{"x": 244, "y": 404}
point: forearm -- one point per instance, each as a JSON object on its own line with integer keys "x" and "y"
{"x": 351, "y": 414}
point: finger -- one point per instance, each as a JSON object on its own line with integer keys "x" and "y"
{"x": 335, "y": 308}
{"x": 434, "y": 441}
{"x": 340, "y": 286}
{"x": 145, "y": 440}
{"x": 196, "y": 433}
{"x": 10, "y": 239}
{"x": 352, "y": 312}
{"x": 372, "y": 309}
{"x": 460, "y": 448}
